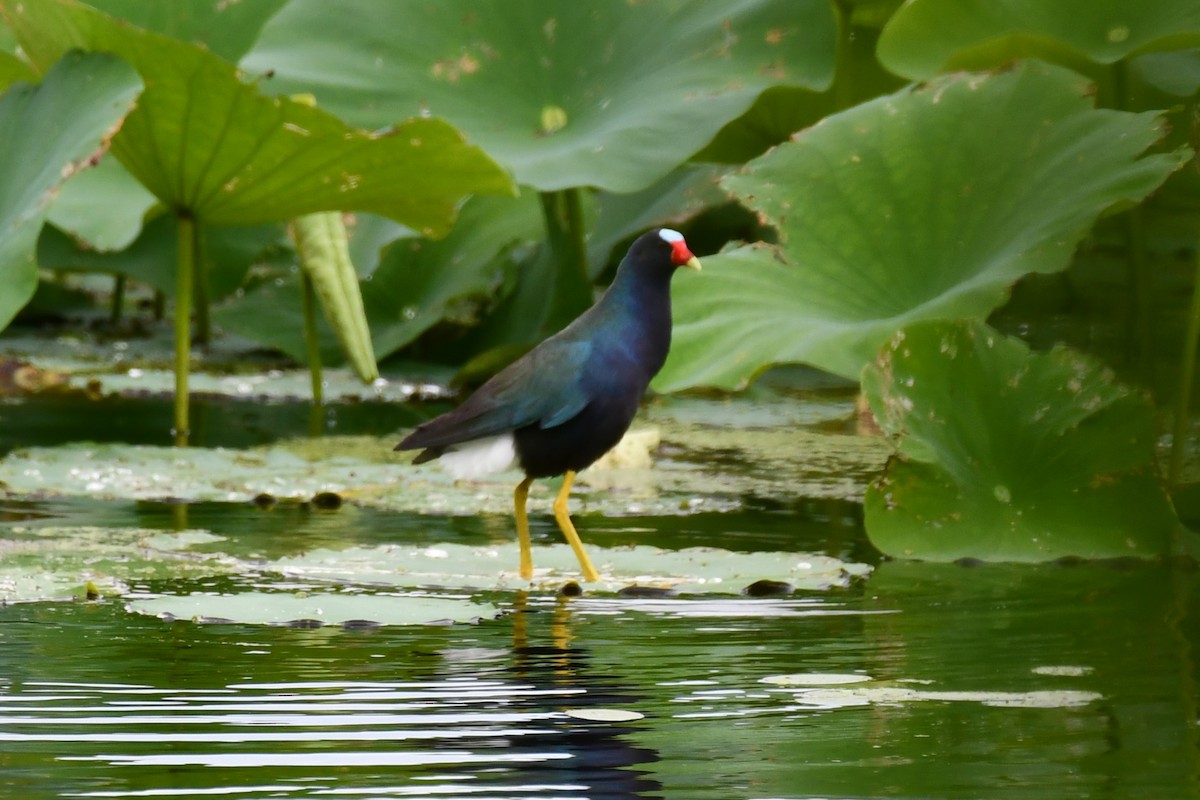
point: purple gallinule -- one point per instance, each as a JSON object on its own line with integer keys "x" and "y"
{"x": 569, "y": 400}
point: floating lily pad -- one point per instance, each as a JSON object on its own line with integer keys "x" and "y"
{"x": 694, "y": 570}
{"x": 142, "y": 365}
{"x": 689, "y": 455}
{"x": 1063, "y": 671}
{"x": 833, "y": 698}
{"x": 52, "y": 563}
{"x": 814, "y": 679}
{"x": 710, "y": 470}
{"x": 604, "y": 714}
{"x": 311, "y": 609}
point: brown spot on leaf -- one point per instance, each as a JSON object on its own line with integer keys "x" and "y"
{"x": 450, "y": 70}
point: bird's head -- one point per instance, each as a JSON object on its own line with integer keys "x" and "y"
{"x": 662, "y": 249}
{"x": 681, "y": 256}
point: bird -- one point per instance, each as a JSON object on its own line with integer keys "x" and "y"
{"x": 570, "y": 399}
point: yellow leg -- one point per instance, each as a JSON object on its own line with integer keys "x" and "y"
{"x": 563, "y": 516}
{"x": 519, "y": 496}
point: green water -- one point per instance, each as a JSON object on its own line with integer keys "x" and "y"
{"x": 1030, "y": 682}
{"x": 921, "y": 681}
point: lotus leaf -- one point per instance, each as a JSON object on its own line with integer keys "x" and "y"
{"x": 925, "y": 37}
{"x": 567, "y": 94}
{"x": 47, "y": 133}
{"x": 228, "y": 154}
{"x": 930, "y": 202}
{"x": 1008, "y": 455}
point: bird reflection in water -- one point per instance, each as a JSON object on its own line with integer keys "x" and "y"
{"x": 602, "y": 763}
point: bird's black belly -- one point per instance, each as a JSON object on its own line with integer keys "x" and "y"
{"x": 574, "y": 445}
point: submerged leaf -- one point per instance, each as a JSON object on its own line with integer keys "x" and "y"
{"x": 1008, "y": 455}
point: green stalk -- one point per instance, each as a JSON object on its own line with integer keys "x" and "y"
{"x": 200, "y": 291}
{"x": 312, "y": 340}
{"x": 843, "y": 81}
{"x": 576, "y": 236}
{"x": 563, "y": 212}
{"x": 118, "y": 300}
{"x": 1142, "y": 284}
{"x": 184, "y": 279}
{"x": 1187, "y": 366}
{"x": 1141, "y": 280}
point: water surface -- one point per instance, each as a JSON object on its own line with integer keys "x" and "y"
{"x": 923, "y": 681}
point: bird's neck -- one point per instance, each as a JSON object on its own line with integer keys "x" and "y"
{"x": 637, "y": 306}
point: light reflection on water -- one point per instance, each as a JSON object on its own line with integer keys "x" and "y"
{"x": 300, "y": 731}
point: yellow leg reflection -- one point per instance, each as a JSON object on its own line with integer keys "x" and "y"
{"x": 563, "y": 517}
{"x": 519, "y": 496}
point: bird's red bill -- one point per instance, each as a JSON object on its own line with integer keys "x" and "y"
{"x": 680, "y": 254}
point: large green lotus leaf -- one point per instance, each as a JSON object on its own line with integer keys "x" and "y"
{"x": 150, "y": 258}
{"x": 229, "y": 250}
{"x": 782, "y": 110}
{"x": 13, "y": 69}
{"x": 370, "y": 234}
{"x": 411, "y": 289}
{"x": 210, "y": 145}
{"x": 272, "y": 314}
{"x": 47, "y": 133}
{"x": 676, "y": 198}
{"x": 612, "y": 95}
{"x": 925, "y": 37}
{"x": 226, "y": 28}
{"x": 1008, "y": 455}
{"x": 1176, "y": 72}
{"x": 103, "y": 207}
{"x": 926, "y": 203}
{"x": 418, "y": 281}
